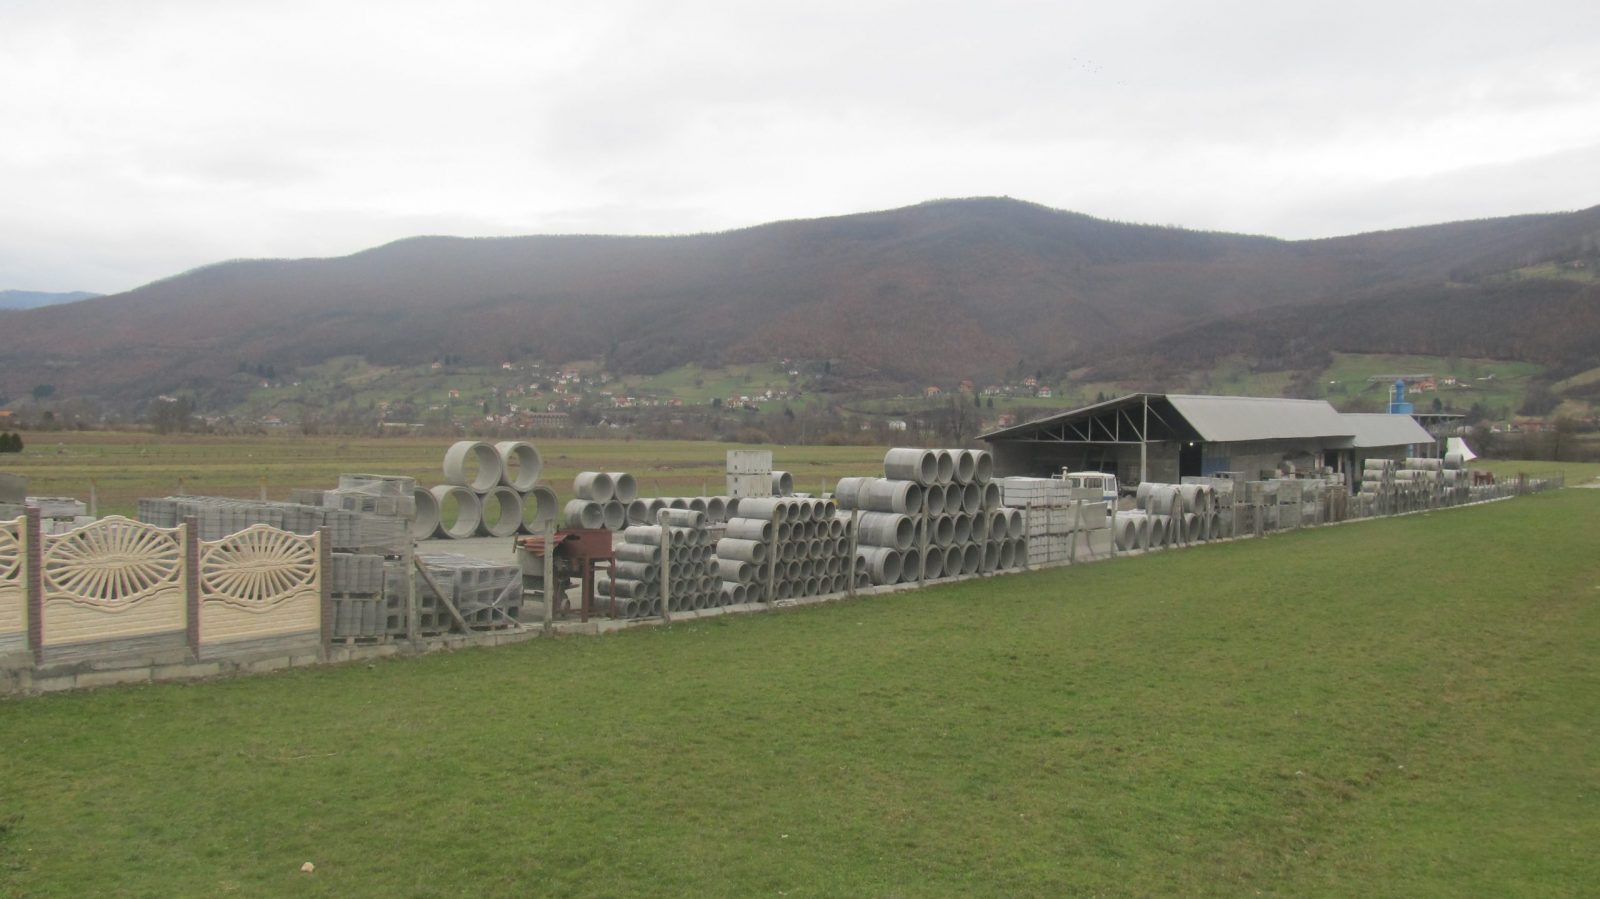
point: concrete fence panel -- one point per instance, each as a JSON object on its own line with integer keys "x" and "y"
{"x": 260, "y": 588}
{"x": 110, "y": 587}
{"x": 13, "y": 587}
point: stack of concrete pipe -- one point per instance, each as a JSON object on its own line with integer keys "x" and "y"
{"x": 935, "y": 513}
{"x": 479, "y": 474}
{"x": 715, "y": 508}
{"x": 604, "y": 499}
{"x": 785, "y": 547}
{"x": 678, "y": 551}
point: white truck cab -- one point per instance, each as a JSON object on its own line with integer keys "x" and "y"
{"x": 1106, "y": 483}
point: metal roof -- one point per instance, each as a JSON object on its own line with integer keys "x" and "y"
{"x": 1385, "y": 429}
{"x": 1228, "y": 419}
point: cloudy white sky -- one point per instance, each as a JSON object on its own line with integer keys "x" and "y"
{"x": 141, "y": 139}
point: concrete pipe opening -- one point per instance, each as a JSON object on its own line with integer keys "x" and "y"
{"x": 427, "y": 521}
{"x": 971, "y": 498}
{"x": 991, "y": 554}
{"x": 583, "y": 513}
{"x": 947, "y": 466}
{"x": 697, "y": 504}
{"x": 845, "y": 492}
{"x": 1008, "y": 554}
{"x": 716, "y": 509}
{"x": 952, "y": 498}
{"x": 472, "y": 463}
{"x": 459, "y": 511}
{"x": 624, "y": 488}
{"x": 933, "y": 563}
{"x": 594, "y": 486}
{"x": 735, "y": 571}
{"x": 963, "y": 528}
{"x": 677, "y": 502}
{"x": 639, "y": 512}
{"x": 944, "y": 530}
{"x": 883, "y": 564}
{"x": 885, "y": 529}
{"x": 933, "y": 499}
{"x": 615, "y": 514}
{"x": 971, "y": 558}
{"x": 520, "y": 464}
{"x": 782, "y": 483}
{"x": 965, "y": 465}
{"x": 909, "y": 464}
{"x": 910, "y": 565}
{"x": 500, "y": 512}
{"x": 954, "y": 556}
{"x": 982, "y": 467}
{"x": 991, "y": 496}
{"x": 999, "y": 524}
{"x": 539, "y": 507}
{"x": 1017, "y": 525}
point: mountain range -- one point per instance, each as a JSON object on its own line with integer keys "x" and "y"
{"x": 944, "y": 289}
{"x": 32, "y": 299}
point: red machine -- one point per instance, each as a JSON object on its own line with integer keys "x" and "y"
{"x": 576, "y": 553}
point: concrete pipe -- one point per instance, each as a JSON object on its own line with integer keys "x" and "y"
{"x": 809, "y": 568}
{"x": 736, "y": 572}
{"x": 520, "y": 464}
{"x": 1125, "y": 530}
{"x": 1141, "y": 495}
{"x": 1016, "y": 525}
{"x": 732, "y": 594}
{"x": 696, "y": 504}
{"x": 954, "y": 558}
{"x": 782, "y": 483}
{"x": 883, "y": 564}
{"x": 765, "y": 508}
{"x": 841, "y": 545}
{"x": 467, "y": 507}
{"x": 813, "y": 587}
{"x": 1165, "y": 500}
{"x": 683, "y": 518}
{"x": 971, "y": 498}
{"x": 904, "y": 497}
{"x": 885, "y": 529}
{"x": 933, "y": 563}
{"x": 427, "y": 521}
{"x": 471, "y": 463}
{"x": 638, "y": 512}
{"x": 965, "y": 466}
{"x": 1156, "y": 536}
{"x": 620, "y": 586}
{"x": 1454, "y": 461}
{"x": 793, "y": 570}
{"x": 1008, "y": 554}
{"x": 616, "y": 515}
{"x": 716, "y": 509}
{"x": 947, "y": 466}
{"x": 639, "y": 571}
{"x": 639, "y": 552}
{"x": 594, "y": 486}
{"x": 963, "y": 528}
{"x": 933, "y": 499}
{"x": 844, "y": 492}
{"x": 1191, "y": 527}
{"x": 909, "y": 464}
{"x": 677, "y": 502}
{"x": 952, "y": 498}
{"x": 971, "y": 558}
{"x": 910, "y": 565}
{"x": 827, "y": 509}
{"x": 499, "y": 512}
{"x": 942, "y": 530}
{"x": 1192, "y": 496}
{"x": 991, "y": 555}
{"x": 583, "y": 513}
{"x": 751, "y": 551}
{"x": 624, "y": 488}
{"x": 991, "y": 496}
{"x": 539, "y": 507}
{"x": 982, "y": 467}
{"x": 732, "y": 504}
{"x": 839, "y": 527}
{"x": 749, "y": 529}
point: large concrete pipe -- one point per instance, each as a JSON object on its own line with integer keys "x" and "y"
{"x": 520, "y": 464}
{"x": 999, "y": 527}
{"x": 933, "y": 499}
{"x": 639, "y": 512}
{"x": 639, "y": 552}
{"x": 1125, "y": 530}
{"x": 991, "y": 496}
{"x": 684, "y": 518}
{"x": 678, "y": 502}
{"x": 782, "y": 483}
{"x": 911, "y": 565}
{"x": 468, "y": 509}
{"x": 963, "y": 528}
{"x": 624, "y": 488}
{"x": 885, "y": 529}
{"x": 736, "y": 571}
{"x": 539, "y": 507}
{"x": 904, "y": 497}
{"x": 471, "y": 463}
{"x": 620, "y": 586}
{"x": 952, "y": 498}
{"x": 933, "y": 563}
{"x": 765, "y": 508}
{"x": 1192, "y": 497}
{"x": 953, "y": 558}
{"x": 751, "y": 551}
{"x": 1008, "y": 554}
{"x": 947, "y": 466}
{"x": 615, "y": 514}
{"x": 982, "y": 467}
{"x": 1157, "y": 535}
{"x": 500, "y": 512}
{"x": 971, "y": 558}
{"x": 639, "y": 571}
{"x": 908, "y": 464}
{"x": 427, "y": 521}
{"x": 943, "y": 531}
{"x": 696, "y": 504}
{"x": 965, "y": 465}
{"x": 583, "y": 513}
{"x": 1141, "y": 495}
{"x": 971, "y": 498}
{"x": 716, "y": 509}
{"x": 594, "y": 486}
{"x": 1017, "y": 525}
{"x": 749, "y": 529}
{"x": 883, "y": 563}
{"x": 1191, "y": 527}
{"x": 844, "y": 493}
{"x": 991, "y": 554}
{"x": 1165, "y": 500}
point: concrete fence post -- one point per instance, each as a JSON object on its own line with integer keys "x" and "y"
{"x": 33, "y": 582}
{"x": 325, "y": 566}
{"x": 666, "y": 567}
{"x": 191, "y": 585}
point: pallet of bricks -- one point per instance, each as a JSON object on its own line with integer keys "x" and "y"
{"x": 1064, "y": 523}
{"x": 487, "y": 594}
{"x": 935, "y": 513}
{"x": 385, "y": 507}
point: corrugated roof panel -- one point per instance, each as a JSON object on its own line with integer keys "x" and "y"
{"x": 1384, "y": 429}
{"x": 1227, "y": 419}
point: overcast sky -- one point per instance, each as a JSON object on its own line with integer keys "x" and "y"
{"x": 141, "y": 139}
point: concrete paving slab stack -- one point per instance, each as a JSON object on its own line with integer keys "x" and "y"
{"x": 800, "y": 546}
{"x": 684, "y": 557}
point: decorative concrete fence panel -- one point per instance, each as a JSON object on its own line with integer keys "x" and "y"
{"x": 115, "y": 586}
{"x": 13, "y": 587}
{"x": 259, "y": 588}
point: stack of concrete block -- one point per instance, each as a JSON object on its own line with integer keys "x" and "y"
{"x": 57, "y": 514}
{"x": 220, "y": 516}
{"x": 487, "y": 594}
{"x": 1063, "y": 523}
{"x": 785, "y": 547}
{"x": 355, "y": 585}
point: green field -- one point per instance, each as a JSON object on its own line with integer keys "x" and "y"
{"x": 126, "y": 465}
{"x": 1301, "y": 715}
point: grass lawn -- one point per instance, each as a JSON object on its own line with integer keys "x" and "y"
{"x": 127, "y": 466}
{"x": 1301, "y": 715}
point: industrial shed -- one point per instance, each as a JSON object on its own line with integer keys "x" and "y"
{"x": 1164, "y": 437}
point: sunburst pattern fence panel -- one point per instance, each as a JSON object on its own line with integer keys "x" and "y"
{"x": 13, "y": 587}
{"x": 260, "y": 583}
{"x": 114, "y": 579}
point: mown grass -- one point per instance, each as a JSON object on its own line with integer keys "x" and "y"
{"x": 1301, "y": 715}
{"x": 126, "y": 466}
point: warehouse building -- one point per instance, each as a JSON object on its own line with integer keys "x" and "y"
{"x": 1164, "y": 437}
